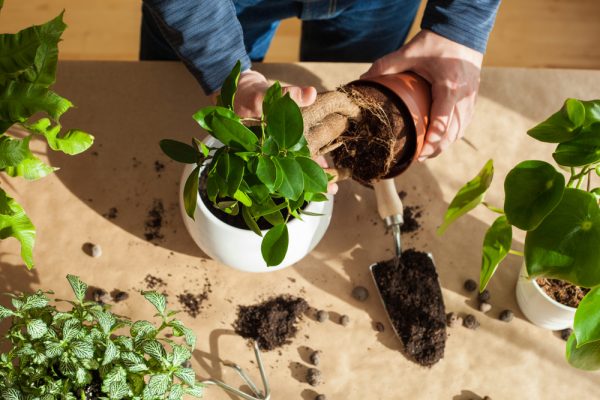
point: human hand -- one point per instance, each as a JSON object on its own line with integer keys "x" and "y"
{"x": 453, "y": 70}
{"x": 251, "y": 90}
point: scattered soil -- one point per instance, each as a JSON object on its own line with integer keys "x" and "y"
{"x": 154, "y": 221}
{"x": 413, "y": 299}
{"x": 412, "y": 214}
{"x": 112, "y": 213}
{"x": 193, "y": 303}
{"x": 158, "y": 166}
{"x": 271, "y": 323}
{"x": 376, "y": 144}
{"x": 379, "y": 326}
{"x": 154, "y": 282}
{"x": 402, "y": 194}
{"x": 563, "y": 292}
{"x": 565, "y": 333}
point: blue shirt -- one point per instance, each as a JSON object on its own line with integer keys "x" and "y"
{"x": 208, "y": 37}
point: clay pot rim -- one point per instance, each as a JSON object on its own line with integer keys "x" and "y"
{"x": 418, "y": 103}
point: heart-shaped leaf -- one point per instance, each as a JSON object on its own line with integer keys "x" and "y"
{"x": 582, "y": 150}
{"x": 562, "y": 125}
{"x": 496, "y": 245}
{"x": 587, "y": 318}
{"x": 532, "y": 190}
{"x": 565, "y": 245}
{"x": 586, "y": 357}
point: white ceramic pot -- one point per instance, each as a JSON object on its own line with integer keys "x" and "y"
{"x": 540, "y": 308}
{"x": 240, "y": 248}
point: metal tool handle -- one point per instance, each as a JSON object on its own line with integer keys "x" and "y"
{"x": 390, "y": 209}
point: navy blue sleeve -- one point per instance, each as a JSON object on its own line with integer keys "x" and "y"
{"x": 468, "y": 22}
{"x": 205, "y": 34}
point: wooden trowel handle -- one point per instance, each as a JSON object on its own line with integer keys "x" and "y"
{"x": 389, "y": 204}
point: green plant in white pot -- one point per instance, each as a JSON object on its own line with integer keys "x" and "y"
{"x": 28, "y": 108}
{"x": 257, "y": 171}
{"x": 561, "y": 217}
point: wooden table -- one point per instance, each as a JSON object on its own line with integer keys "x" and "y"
{"x": 129, "y": 107}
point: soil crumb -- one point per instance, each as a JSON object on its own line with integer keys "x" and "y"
{"x": 158, "y": 166}
{"x": 414, "y": 301}
{"x": 271, "y": 323}
{"x": 412, "y": 214}
{"x": 153, "y": 282}
{"x": 563, "y": 292}
{"x": 193, "y": 303}
{"x": 112, "y": 213}
{"x": 154, "y": 221}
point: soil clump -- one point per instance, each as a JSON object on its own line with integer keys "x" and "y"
{"x": 563, "y": 292}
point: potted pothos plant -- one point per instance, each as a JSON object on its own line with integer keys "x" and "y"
{"x": 87, "y": 352}
{"x": 252, "y": 175}
{"x": 561, "y": 217}
{"x": 28, "y": 61}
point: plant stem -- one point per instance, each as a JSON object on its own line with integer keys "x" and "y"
{"x": 589, "y": 180}
{"x": 492, "y": 208}
{"x": 516, "y": 253}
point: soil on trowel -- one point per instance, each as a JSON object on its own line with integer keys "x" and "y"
{"x": 414, "y": 302}
{"x": 563, "y": 292}
{"x": 271, "y": 323}
{"x": 378, "y": 144}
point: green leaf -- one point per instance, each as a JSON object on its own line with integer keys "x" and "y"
{"x": 111, "y": 353}
{"x": 157, "y": 300}
{"x": 190, "y": 192}
{"x": 176, "y": 392}
{"x": 205, "y": 115}
{"x": 236, "y": 174}
{"x": 315, "y": 197}
{"x": 79, "y": 287}
{"x": 284, "y": 122}
{"x": 584, "y": 149}
{"x": 250, "y": 221}
{"x": 19, "y": 101}
{"x": 565, "y": 245}
{"x": 267, "y": 173}
{"x": 118, "y": 390}
{"x": 11, "y": 394}
{"x": 72, "y": 142}
{"x": 242, "y": 198}
{"x": 533, "y": 188}
{"x": 133, "y": 362}
{"x": 496, "y": 245}
{"x": 53, "y": 349}
{"x": 315, "y": 179}
{"x": 273, "y": 94}
{"x": 82, "y": 350}
{"x": 562, "y": 125}
{"x": 212, "y": 187}
{"x": 17, "y": 51}
{"x": 15, "y": 223}
{"x": 270, "y": 147}
{"x": 180, "y": 355}
{"x": 43, "y": 72}
{"x": 35, "y": 301}
{"x": 592, "y": 111}
{"x": 31, "y": 167}
{"x": 274, "y": 245}
{"x": 155, "y": 350}
{"x": 469, "y": 196}
{"x": 195, "y": 391}
{"x": 229, "y": 87}
{"x": 586, "y": 357}
{"x": 105, "y": 320}
{"x": 12, "y": 151}
{"x": 36, "y": 328}
{"x": 159, "y": 384}
{"x": 187, "y": 375}
{"x": 180, "y": 329}
{"x": 201, "y": 147}
{"x": 5, "y": 312}
{"x": 292, "y": 184}
{"x": 71, "y": 330}
{"x": 179, "y": 151}
{"x": 233, "y": 133}
{"x": 587, "y": 318}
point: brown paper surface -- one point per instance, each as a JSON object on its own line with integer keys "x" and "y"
{"x": 129, "y": 107}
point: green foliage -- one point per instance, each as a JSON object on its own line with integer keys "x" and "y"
{"x": 561, "y": 219}
{"x": 533, "y": 188}
{"x": 468, "y": 196}
{"x": 28, "y": 62}
{"x": 262, "y": 171}
{"x": 57, "y": 354}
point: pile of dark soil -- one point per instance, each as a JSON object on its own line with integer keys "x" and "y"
{"x": 154, "y": 221}
{"x": 563, "y": 292}
{"x": 378, "y": 143}
{"x": 271, "y": 323}
{"x": 112, "y": 213}
{"x": 154, "y": 282}
{"x": 416, "y": 309}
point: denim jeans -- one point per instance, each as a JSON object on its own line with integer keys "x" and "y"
{"x": 332, "y": 30}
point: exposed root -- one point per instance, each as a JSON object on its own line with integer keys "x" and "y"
{"x": 325, "y": 132}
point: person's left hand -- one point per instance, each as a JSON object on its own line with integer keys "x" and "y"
{"x": 453, "y": 71}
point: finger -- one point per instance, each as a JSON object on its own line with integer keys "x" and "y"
{"x": 303, "y": 96}
{"x": 451, "y": 136}
{"x": 441, "y": 114}
{"x": 321, "y": 161}
{"x": 390, "y": 64}
{"x": 332, "y": 188}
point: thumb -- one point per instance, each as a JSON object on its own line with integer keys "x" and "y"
{"x": 390, "y": 64}
{"x": 303, "y": 96}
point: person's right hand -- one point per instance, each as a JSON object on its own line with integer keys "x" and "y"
{"x": 252, "y": 86}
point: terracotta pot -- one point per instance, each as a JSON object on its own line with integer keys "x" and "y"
{"x": 415, "y": 93}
